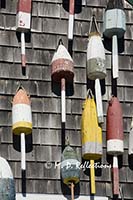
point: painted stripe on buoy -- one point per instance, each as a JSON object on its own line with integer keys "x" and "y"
{"x": 115, "y": 146}
{"x": 21, "y": 113}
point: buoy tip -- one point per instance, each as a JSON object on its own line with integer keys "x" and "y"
{"x": 60, "y": 41}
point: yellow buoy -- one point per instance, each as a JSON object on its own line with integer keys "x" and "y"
{"x": 91, "y": 136}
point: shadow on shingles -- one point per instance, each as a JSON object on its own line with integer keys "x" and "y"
{"x": 108, "y": 44}
{"x": 113, "y": 85}
{"x": 27, "y": 36}
{"x": 56, "y": 88}
{"x": 23, "y": 182}
{"x": 2, "y": 3}
{"x": 78, "y": 5}
{"x": 103, "y": 88}
{"x": 98, "y": 170}
{"x": 91, "y": 85}
{"x": 16, "y": 143}
{"x": 63, "y": 136}
{"x": 110, "y": 160}
{"x": 70, "y": 47}
{"x": 66, "y": 191}
{"x": 130, "y": 161}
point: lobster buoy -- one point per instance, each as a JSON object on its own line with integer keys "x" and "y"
{"x": 96, "y": 64}
{"x": 23, "y": 21}
{"x": 21, "y": 113}
{"x": 130, "y": 151}
{"x": 95, "y": 58}
{"x": 70, "y": 168}
{"x": 114, "y": 27}
{"x": 62, "y": 71}
{"x": 23, "y": 24}
{"x": 22, "y": 119}
{"x": 114, "y": 127}
{"x": 7, "y": 184}
{"x": 95, "y": 53}
{"x": 91, "y": 135}
{"x": 115, "y": 137}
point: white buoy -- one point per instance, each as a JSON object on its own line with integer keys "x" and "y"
{"x": 96, "y": 69}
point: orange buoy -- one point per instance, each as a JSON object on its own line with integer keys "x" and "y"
{"x": 22, "y": 119}
{"x": 115, "y": 137}
{"x": 21, "y": 113}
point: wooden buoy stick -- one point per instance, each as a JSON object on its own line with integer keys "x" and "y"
{"x": 23, "y": 57}
{"x": 99, "y": 101}
{"x": 115, "y": 176}
{"x": 92, "y": 177}
{"x": 71, "y": 19}
{"x": 23, "y": 152}
{"x": 63, "y": 100}
{"x": 72, "y": 191}
{"x": 115, "y": 56}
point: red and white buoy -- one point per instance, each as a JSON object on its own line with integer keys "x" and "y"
{"x": 22, "y": 120}
{"x": 23, "y": 24}
{"x": 62, "y": 71}
{"x": 115, "y": 137}
{"x": 71, "y": 19}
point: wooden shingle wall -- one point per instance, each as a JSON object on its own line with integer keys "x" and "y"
{"x": 49, "y": 24}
